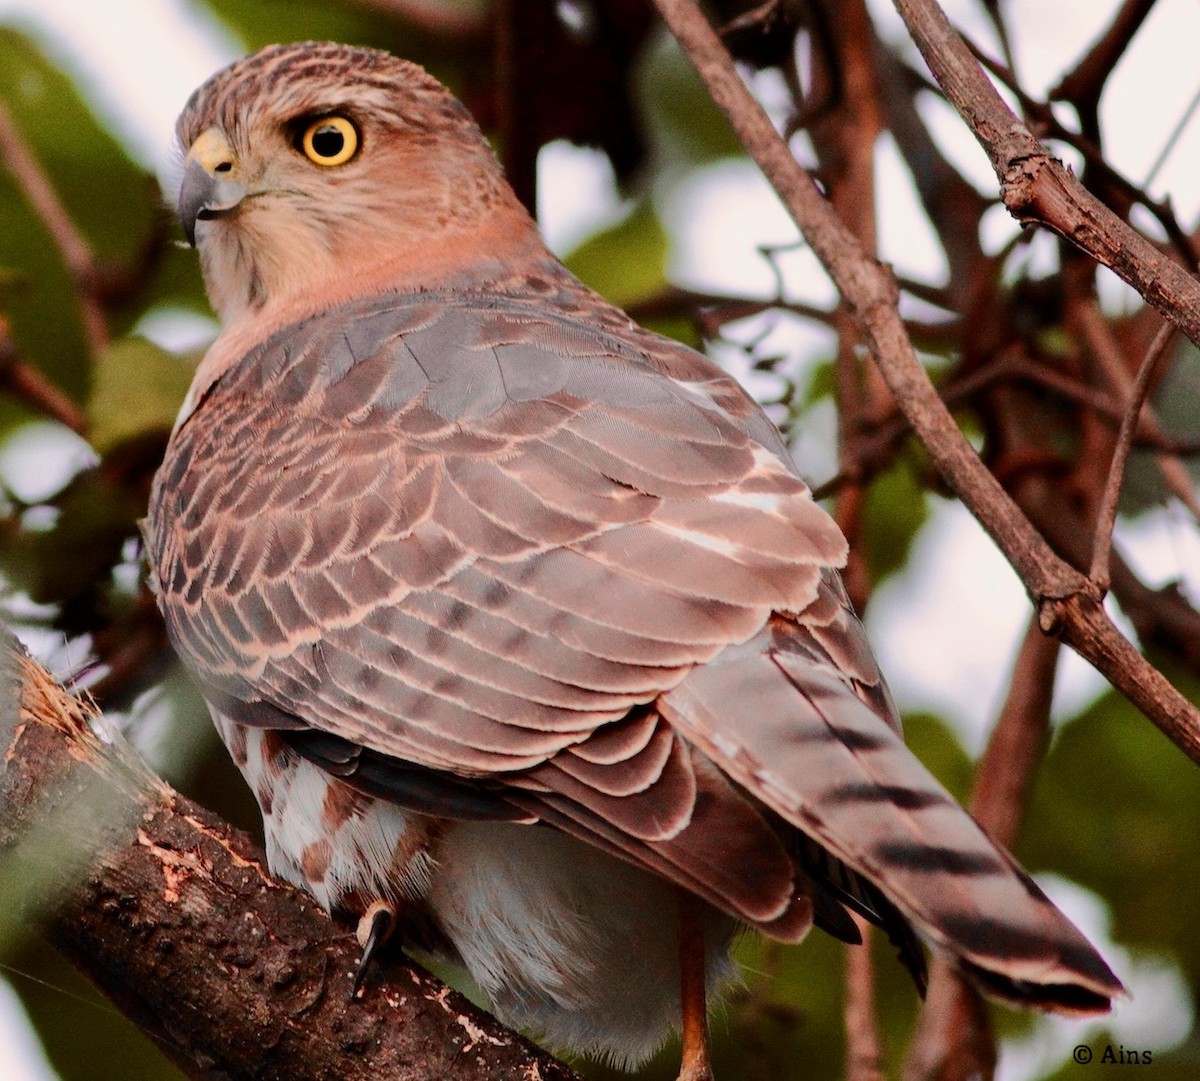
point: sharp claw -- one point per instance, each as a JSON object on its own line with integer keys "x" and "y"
{"x": 374, "y": 929}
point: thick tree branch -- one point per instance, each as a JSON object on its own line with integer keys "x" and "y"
{"x": 524, "y": 31}
{"x": 1067, "y": 603}
{"x": 173, "y": 916}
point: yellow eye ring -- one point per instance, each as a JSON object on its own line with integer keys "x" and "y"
{"x": 330, "y": 140}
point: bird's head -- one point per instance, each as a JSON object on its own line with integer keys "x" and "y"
{"x": 310, "y": 165}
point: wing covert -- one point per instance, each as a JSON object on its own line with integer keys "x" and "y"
{"x": 466, "y": 533}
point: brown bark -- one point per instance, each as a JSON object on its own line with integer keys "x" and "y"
{"x": 1035, "y": 186}
{"x": 954, "y": 1039}
{"x": 174, "y": 917}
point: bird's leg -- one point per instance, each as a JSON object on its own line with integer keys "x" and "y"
{"x": 374, "y": 929}
{"x": 692, "y": 956}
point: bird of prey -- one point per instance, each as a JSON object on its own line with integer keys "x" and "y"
{"x": 517, "y": 617}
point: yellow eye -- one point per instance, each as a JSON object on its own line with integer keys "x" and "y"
{"x": 331, "y": 140}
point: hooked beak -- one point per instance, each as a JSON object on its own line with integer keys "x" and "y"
{"x": 208, "y": 189}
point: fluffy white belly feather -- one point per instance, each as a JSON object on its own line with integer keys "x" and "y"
{"x": 566, "y": 941}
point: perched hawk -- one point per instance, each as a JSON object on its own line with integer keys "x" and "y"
{"x": 517, "y": 617}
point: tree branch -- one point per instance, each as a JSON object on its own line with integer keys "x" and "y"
{"x": 1067, "y": 603}
{"x": 77, "y": 254}
{"x": 1035, "y": 186}
{"x": 33, "y": 388}
{"x": 954, "y": 1038}
{"x": 1084, "y": 83}
{"x": 173, "y": 916}
{"x": 1107, "y": 515}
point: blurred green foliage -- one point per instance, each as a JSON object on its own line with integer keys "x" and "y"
{"x": 136, "y": 388}
{"x": 627, "y": 262}
{"x": 1115, "y": 806}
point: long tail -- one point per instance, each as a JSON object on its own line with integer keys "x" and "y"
{"x": 789, "y": 728}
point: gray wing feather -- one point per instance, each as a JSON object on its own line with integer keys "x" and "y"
{"x": 468, "y": 536}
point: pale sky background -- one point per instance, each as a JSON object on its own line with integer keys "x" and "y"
{"x": 940, "y": 628}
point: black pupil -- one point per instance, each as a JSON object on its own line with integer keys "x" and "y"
{"x": 328, "y": 141}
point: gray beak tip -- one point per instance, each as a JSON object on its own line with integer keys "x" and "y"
{"x": 203, "y": 195}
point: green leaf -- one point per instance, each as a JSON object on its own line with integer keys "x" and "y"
{"x": 263, "y": 24}
{"x": 626, "y": 263}
{"x": 936, "y": 745}
{"x": 110, "y": 200}
{"x": 137, "y": 388}
{"x": 896, "y": 508}
{"x": 822, "y": 384}
{"x": 680, "y": 113}
{"x": 1115, "y": 809}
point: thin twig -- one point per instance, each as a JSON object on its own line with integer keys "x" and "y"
{"x": 1172, "y": 139}
{"x": 1105, "y": 350}
{"x": 1084, "y": 83}
{"x": 1106, "y": 174}
{"x": 33, "y": 388}
{"x": 1107, "y": 515}
{"x": 864, "y": 1049}
{"x": 844, "y": 140}
{"x": 44, "y": 200}
{"x": 674, "y": 300}
{"x": 954, "y": 1028}
{"x": 1035, "y": 186}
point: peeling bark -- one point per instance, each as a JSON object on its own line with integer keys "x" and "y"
{"x": 174, "y": 916}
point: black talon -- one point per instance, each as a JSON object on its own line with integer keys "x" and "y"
{"x": 380, "y": 930}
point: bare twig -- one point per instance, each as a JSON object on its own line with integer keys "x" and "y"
{"x": 864, "y": 1050}
{"x": 1121, "y": 190}
{"x": 675, "y": 300}
{"x": 1173, "y": 139}
{"x": 33, "y": 388}
{"x": 1067, "y": 603}
{"x": 1018, "y": 741}
{"x": 1084, "y": 83}
{"x": 1035, "y": 186}
{"x": 39, "y": 191}
{"x": 844, "y": 139}
{"x": 954, "y": 1038}
{"x": 1107, "y": 515}
{"x": 1106, "y": 351}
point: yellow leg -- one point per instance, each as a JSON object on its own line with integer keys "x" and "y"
{"x": 696, "y": 1065}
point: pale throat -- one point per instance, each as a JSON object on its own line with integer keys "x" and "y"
{"x": 295, "y": 269}
{"x": 254, "y": 299}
